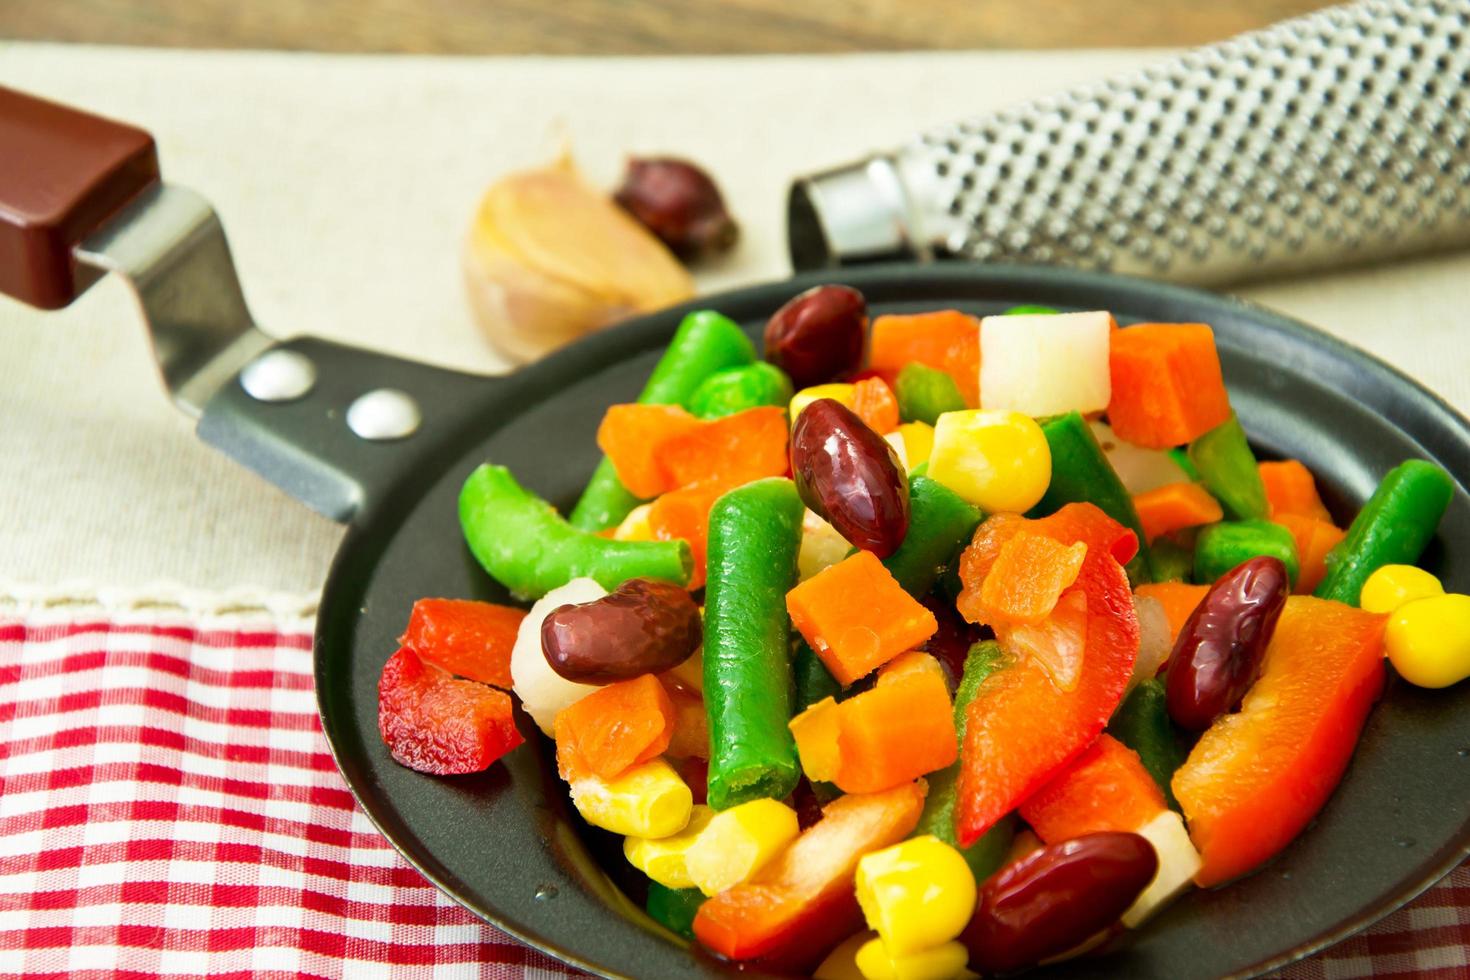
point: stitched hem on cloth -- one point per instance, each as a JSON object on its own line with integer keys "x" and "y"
{"x": 291, "y": 611}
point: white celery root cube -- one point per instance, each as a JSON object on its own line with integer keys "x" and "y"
{"x": 1178, "y": 863}
{"x": 1047, "y": 364}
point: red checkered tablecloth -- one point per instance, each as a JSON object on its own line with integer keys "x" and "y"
{"x": 168, "y": 807}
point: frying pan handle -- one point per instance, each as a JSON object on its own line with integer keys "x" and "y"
{"x": 81, "y": 196}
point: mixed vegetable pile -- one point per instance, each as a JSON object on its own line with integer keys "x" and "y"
{"x": 979, "y": 679}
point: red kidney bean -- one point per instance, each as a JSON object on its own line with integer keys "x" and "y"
{"x": 679, "y": 203}
{"x": 819, "y": 335}
{"x": 642, "y": 627}
{"x": 850, "y": 476}
{"x": 1218, "y": 654}
{"x": 1055, "y": 898}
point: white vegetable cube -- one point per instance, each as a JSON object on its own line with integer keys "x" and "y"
{"x": 544, "y": 692}
{"x": 1141, "y": 470}
{"x": 1046, "y": 365}
{"x": 1178, "y": 863}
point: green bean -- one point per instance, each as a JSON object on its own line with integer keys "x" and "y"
{"x": 1223, "y": 546}
{"x": 1142, "y": 723}
{"x": 737, "y": 389}
{"x": 526, "y": 546}
{"x": 1170, "y": 561}
{"x": 941, "y": 523}
{"x": 674, "y": 908}
{"x": 1030, "y": 309}
{"x": 925, "y": 393}
{"x": 813, "y": 681}
{"x": 1182, "y": 460}
{"x": 754, "y": 535}
{"x": 705, "y": 342}
{"x": 1227, "y": 467}
{"x": 1393, "y": 528}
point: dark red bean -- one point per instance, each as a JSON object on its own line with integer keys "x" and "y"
{"x": 680, "y": 204}
{"x": 819, "y": 335}
{"x": 850, "y": 476}
{"x": 1218, "y": 654}
{"x": 1055, "y": 898}
{"x": 951, "y": 643}
{"x": 642, "y": 627}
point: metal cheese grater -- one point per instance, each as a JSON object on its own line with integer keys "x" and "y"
{"x": 1338, "y": 137}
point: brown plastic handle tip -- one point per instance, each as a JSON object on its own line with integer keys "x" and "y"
{"x": 63, "y": 174}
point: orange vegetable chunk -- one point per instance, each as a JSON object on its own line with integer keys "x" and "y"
{"x": 803, "y": 903}
{"x": 1314, "y": 539}
{"x": 874, "y": 402}
{"x": 1104, "y": 788}
{"x": 1291, "y": 489}
{"x": 733, "y": 450}
{"x": 684, "y": 513}
{"x": 1028, "y": 576}
{"x": 1167, "y": 385}
{"x": 946, "y": 340}
{"x": 634, "y": 437}
{"x": 856, "y": 616}
{"x": 1175, "y": 507}
{"x": 1178, "y": 599}
{"x": 1257, "y": 777}
{"x": 614, "y": 728}
{"x": 901, "y": 729}
{"x": 468, "y": 638}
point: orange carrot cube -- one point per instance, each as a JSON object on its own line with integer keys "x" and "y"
{"x": 1167, "y": 385}
{"x": 874, "y": 402}
{"x": 634, "y": 436}
{"x": 1290, "y": 489}
{"x": 733, "y": 450}
{"x": 1314, "y": 539}
{"x": 614, "y": 728}
{"x": 946, "y": 340}
{"x": 1174, "y": 507}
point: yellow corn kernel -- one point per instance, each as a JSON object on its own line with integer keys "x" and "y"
{"x": 917, "y": 894}
{"x": 838, "y": 391}
{"x": 649, "y": 800}
{"x": 738, "y": 842}
{"x": 943, "y": 962}
{"x": 1428, "y": 640}
{"x": 816, "y": 730}
{"x": 662, "y": 859}
{"x": 841, "y": 963}
{"x": 997, "y": 460}
{"x": 1393, "y": 585}
{"x": 918, "y": 443}
{"x": 635, "y": 526}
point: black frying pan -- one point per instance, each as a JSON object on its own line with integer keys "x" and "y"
{"x": 506, "y": 843}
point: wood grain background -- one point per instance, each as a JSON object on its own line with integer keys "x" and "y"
{"x": 638, "y": 27}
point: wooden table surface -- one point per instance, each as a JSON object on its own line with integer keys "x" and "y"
{"x": 637, "y": 26}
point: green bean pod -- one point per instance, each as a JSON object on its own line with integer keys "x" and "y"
{"x": 737, "y": 389}
{"x": 705, "y": 342}
{"x": 1169, "y": 561}
{"x": 1393, "y": 528}
{"x": 1224, "y": 545}
{"x": 1081, "y": 473}
{"x": 526, "y": 546}
{"x": 925, "y": 393}
{"x": 987, "y": 853}
{"x": 1030, "y": 309}
{"x": 941, "y": 523}
{"x": 1227, "y": 467}
{"x": 1142, "y": 723}
{"x": 812, "y": 680}
{"x": 674, "y": 908}
{"x": 754, "y": 534}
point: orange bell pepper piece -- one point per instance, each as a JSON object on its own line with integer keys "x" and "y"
{"x": 732, "y": 450}
{"x": 856, "y": 616}
{"x": 1028, "y": 577}
{"x": 1291, "y": 489}
{"x": 468, "y": 638}
{"x": 614, "y": 728}
{"x": 1175, "y": 507}
{"x": 633, "y": 438}
{"x": 1178, "y": 600}
{"x": 791, "y": 914}
{"x": 1314, "y": 539}
{"x": 874, "y": 402}
{"x": 1104, "y": 788}
{"x": 946, "y": 340}
{"x": 1256, "y": 778}
{"x": 1167, "y": 385}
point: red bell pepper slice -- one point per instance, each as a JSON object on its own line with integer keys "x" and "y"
{"x": 1104, "y": 788}
{"x": 465, "y": 637}
{"x": 1021, "y": 728}
{"x": 803, "y": 903}
{"x": 1257, "y": 777}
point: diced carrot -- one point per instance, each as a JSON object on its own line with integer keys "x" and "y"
{"x": 1290, "y": 489}
{"x": 1028, "y": 577}
{"x": 614, "y": 728}
{"x": 857, "y": 617}
{"x": 874, "y": 402}
{"x": 1167, "y": 385}
{"x": 1174, "y": 507}
{"x": 947, "y": 340}
{"x": 468, "y": 638}
{"x": 1105, "y": 788}
{"x": 1178, "y": 600}
{"x": 634, "y": 436}
{"x": 1314, "y": 539}
{"x": 901, "y": 729}
{"x": 735, "y": 449}
{"x": 684, "y": 513}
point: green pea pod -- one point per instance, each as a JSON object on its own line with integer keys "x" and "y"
{"x": 1081, "y": 473}
{"x": 674, "y": 908}
{"x": 813, "y": 681}
{"x": 737, "y": 389}
{"x": 754, "y": 534}
{"x": 987, "y": 853}
{"x": 1029, "y": 309}
{"x": 1393, "y": 528}
{"x": 705, "y": 342}
{"x": 925, "y": 393}
{"x": 1227, "y": 467}
{"x": 1170, "y": 561}
{"x": 941, "y": 523}
{"x": 1223, "y": 546}
{"x": 1142, "y": 723}
{"x": 526, "y": 546}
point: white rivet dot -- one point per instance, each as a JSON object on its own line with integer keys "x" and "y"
{"x": 278, "y": 376}
{"x": 386, "y": 413}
